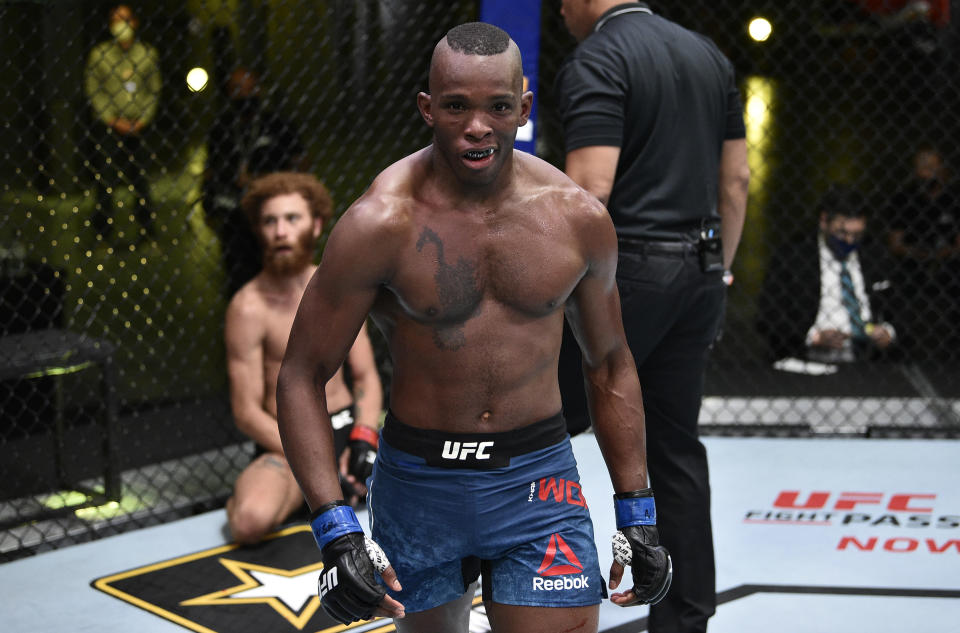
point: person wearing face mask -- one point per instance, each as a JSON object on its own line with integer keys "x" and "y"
{"x": 247, "y": 140}
{"x": 824, "y": 294}
{"x": 122, "y": 83}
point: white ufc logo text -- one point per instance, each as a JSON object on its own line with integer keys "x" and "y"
{"x": 342, "y": 419}
{"x": 462, "y": 451}
{"x": 328, "y": 580}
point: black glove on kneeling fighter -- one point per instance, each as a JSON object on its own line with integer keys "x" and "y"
{"x": 363, "y": 451}
{"x": 637, "y": 544}
{"x": 348, "y": 588}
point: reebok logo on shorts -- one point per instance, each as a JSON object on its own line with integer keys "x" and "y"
{"x": 561, "y": 584}
{"x": 568, "y": 562}
{"x": 560, "y": 560}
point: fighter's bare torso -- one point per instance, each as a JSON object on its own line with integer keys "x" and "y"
{"x": 472, "y": 314}
{"x": 274, "y": 307}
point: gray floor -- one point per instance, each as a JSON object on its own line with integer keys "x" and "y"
{"x": 876, "y": 549}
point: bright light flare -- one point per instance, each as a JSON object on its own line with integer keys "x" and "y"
{"x": 197, "y": 79}
{"x": 760, "y": 29}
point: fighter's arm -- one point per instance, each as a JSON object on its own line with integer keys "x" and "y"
{"x": 613, "y": 390}
{"x": 244, "y": 337}
{"x": 733, "y": 184}
{"x": 367, "y": 390}
{"x": 616, "y": 409}
{"x": 355, "y": 262}
{"x": 594, "y": 168}
{"x": 356, "y": 462}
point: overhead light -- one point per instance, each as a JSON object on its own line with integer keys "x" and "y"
{"x": 197, "y": 79}
{"x": 760, "y": 29}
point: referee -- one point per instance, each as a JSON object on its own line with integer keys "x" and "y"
{"x": 653, "y": 127}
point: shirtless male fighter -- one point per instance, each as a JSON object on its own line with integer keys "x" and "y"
{"x": 287, "y": 211}
{"x": 468, "y": 255}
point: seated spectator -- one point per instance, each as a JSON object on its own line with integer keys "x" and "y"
{"x": 823, "y": 293}
{"x": 922, "y": 218}
{"x": 923, "y": 237}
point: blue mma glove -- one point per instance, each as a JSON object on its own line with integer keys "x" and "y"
{"x": 348, "y": 589}
{"x": 636, "y": 544}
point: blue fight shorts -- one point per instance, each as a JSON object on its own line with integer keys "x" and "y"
{"x": 446, "y": 507}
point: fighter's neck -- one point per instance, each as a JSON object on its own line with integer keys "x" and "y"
{"x": 463, "y": 194}
{"x": 287, "y": 282}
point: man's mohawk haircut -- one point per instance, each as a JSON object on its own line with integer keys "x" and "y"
{"x": 478, "y": 38}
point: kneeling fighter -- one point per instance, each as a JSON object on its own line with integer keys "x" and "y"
{"x": 468, "y": 255}
{"x": 287, "y": 211}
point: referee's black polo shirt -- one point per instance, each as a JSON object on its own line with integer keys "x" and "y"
{"x": 667, "y": 97}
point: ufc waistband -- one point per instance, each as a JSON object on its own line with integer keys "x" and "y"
{"x": 473, "y": 450}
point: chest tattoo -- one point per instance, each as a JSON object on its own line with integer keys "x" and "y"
{"x": 457, "y": 290}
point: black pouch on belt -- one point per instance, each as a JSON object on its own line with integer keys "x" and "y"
{"x": 710, "y": 247}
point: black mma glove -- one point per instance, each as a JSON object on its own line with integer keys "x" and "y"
{"x": 348, "y": 588}
{"x": 348, "y": 489}
{"x": 363, "y": 452}
{"x": 636, "y": 545}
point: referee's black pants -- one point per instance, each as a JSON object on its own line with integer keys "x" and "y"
{"x": 672, "y": 313}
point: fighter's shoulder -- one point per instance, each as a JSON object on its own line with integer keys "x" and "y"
{"x": 557, "y": 191}
{"x": 385, "y": 209}
{"x": 247, "y": 304}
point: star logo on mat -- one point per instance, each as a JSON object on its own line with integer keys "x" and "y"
{"x": 271, "y": 586}
{"x": 291, "y": 593}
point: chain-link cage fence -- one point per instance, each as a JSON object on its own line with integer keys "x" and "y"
{"x": 127, "y": 142}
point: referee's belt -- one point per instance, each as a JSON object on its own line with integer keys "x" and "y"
{"x": 657, "y": 247}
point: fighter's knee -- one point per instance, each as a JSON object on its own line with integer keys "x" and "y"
{"x": 248, "y": 525}
{"x": 244, "y": 535}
